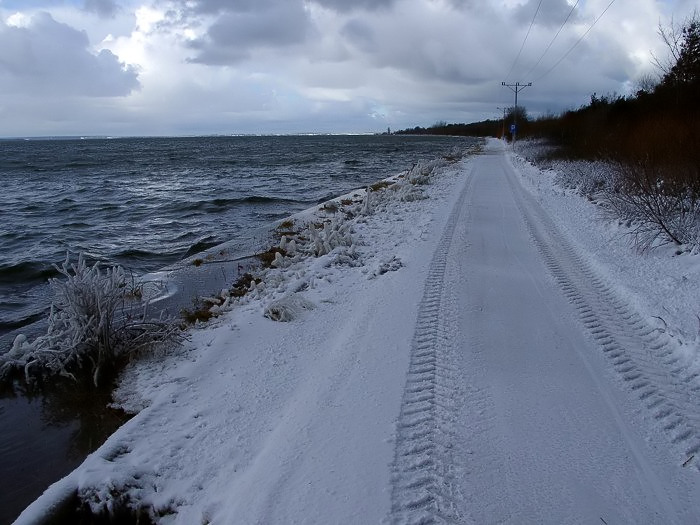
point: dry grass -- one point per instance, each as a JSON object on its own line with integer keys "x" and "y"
{"x": 200, "y": 313}
{"x": 380, "y": 185}
{"x": 268, "y": 256}
{"x": 242, "y": 285}
{"x": 330, "y": 207}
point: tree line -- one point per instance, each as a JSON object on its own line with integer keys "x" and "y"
{"x": 650, "y": 142}
{"x": 658, "y": 123}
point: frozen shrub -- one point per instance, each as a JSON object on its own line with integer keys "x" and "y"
{"x": 421, "y": 172}
{"x": 94, "y": 322}
{"x": 334, "y": 233}
{"x": 387, "y": 264}
{"x": 366, "y": 208}
{"x": 587, "y": 178}
{"x": 659, "y": 209}
{"x": 536, "y": 151}
{"x": 406, "y": 192}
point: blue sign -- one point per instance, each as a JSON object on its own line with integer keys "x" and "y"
{"x": 512, "y": 128}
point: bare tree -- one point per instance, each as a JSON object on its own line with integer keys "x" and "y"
{"x": 683, "y": 43}
{"x": 646, "y": 83}
{"x": 672, "y": 37}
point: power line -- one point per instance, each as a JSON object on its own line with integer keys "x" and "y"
{"x": 576, "y": 43}
{"x": 525, "y": 39}
{"x": 515, "y": 88}
{"x": 553, "y": 39}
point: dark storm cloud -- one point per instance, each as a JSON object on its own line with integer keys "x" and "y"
{"x": 249, "y": 25}
{"x": 50, "y": 58}
{"x": 102, "y": 8}
{"x": 426, "y": 44}
{"x": 360, "y": 35}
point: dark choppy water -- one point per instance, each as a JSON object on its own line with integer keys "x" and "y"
{"x": 145, "y": 203}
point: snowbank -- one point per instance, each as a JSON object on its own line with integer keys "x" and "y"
{"x": 218, "y": 418}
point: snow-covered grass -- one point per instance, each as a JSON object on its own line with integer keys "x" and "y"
{"x": 327, "y": 230}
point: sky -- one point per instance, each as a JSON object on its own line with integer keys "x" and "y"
{"x": 191, "y": 67}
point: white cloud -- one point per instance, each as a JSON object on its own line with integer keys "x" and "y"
{"x": 200, "y": 66}
{"x": 42, "y": 57}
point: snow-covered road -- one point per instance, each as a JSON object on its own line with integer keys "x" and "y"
{"x": 524, "y": 418}
{"x": 474, "y": 369}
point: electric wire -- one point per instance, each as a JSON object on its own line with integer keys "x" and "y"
{"x": 575, "y": 44}
{"x": 546, "y": 50}
{"x": 524, "y": 40}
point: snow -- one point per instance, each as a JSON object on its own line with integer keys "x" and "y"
{"x": 467, "y": 343}
{"x": 660, "y": 283}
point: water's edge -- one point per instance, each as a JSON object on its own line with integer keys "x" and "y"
{"x": 175, "y": 287}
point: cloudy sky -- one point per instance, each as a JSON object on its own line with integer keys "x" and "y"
{"x": 178, "y": 67}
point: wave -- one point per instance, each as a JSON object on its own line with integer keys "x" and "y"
{"x": 201, "y": 245}
{"x": 131, "y": 254}
{"x": 326, "y": 197}
{"x": 26, "y": 272}
{"x": 83, "y": 164}
{"x": 219, "y": 204}
{"x": 77, "y": 225}
{"x": 9, "y": 325}
{"x": 253, "y": 199}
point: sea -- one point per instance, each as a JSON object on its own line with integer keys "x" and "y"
{"x": 145, "y": 204}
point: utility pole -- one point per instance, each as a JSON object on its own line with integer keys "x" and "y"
{"x": 503, "y": 130}
{"x": 516, "y": 88}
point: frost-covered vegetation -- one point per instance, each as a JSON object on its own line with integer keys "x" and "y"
{"x": 327, "y": 235}
{"x": 97, "y": 321}
{"x": 655, "y": 204}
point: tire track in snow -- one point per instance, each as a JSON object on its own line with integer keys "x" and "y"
{"x": 642, "y": 357}
{"x": 423, "y": 472}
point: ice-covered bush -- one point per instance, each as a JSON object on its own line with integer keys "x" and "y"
{"x": 421, "y": 172}
{"x": 587, "y": 178}
{"x": 95, "y": 321}
{"x": 660, "y": 204}
{"x": 333, "y": 234}
{"x": 657, "y": 210}
{"x": 406, "y": 192}
{"x": 366, "y": 207}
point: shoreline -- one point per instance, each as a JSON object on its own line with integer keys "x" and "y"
{"x": 267, "y": 377}
{"x": 185, "y": 274}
